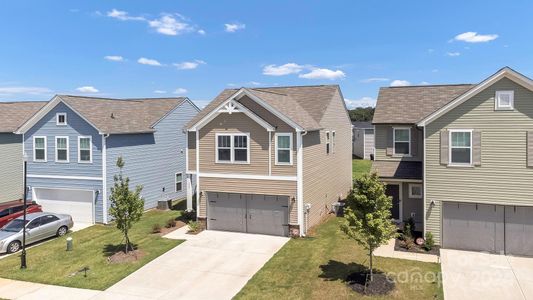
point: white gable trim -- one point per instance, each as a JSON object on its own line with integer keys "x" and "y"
{"x": 45, "y": 110}
{"x": 503, "y": 73}
{"x": 231, "y": 106}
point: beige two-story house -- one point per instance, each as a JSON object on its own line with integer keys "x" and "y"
{"x": 459, "y": 160}
{"x": 270, "y": 160}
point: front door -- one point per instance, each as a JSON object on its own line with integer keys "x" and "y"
{"x": 393, "y": 190}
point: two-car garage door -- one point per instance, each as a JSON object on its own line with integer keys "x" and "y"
{"x": 252, "y": 213}
{"x": 486, "y": 227}
{"x": 77, "y": 203}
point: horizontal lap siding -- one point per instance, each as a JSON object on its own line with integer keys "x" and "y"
{"x": 369, "y": 144}
{"x": 381, "y": 140}
{"x": 503, "y": 177}
{"x": 11, "y": 167}
{"x": 191, "y": 148}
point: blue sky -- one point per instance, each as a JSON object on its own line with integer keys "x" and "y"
{"x": 197, "y": 48}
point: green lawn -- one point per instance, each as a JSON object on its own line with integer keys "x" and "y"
{"x": 315, "y": 268}
{"x": 49, "y": 263}
{"x": 360, "y": 167}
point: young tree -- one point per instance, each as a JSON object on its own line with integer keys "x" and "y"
{"x": 368, "y": 215}
{"x": 127, "y": 206}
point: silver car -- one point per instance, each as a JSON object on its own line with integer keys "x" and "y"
{"x": 39, "y": 226}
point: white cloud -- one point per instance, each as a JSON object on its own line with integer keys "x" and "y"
{"x": 114, "y": 58}
{"x": 399, "y": 82}
{"x": 168, "y": 25}
{"x": 180, "y": 91}
{"x": 87, "y": 89}
{"x": 148, "y": 61}
{"x": 123, "y": 16}
{"x": 453, "y": 54}
{"x": 31, "y": 90}
{"x": 474, "y": 37}
{"x": 160, "y": 92}
{"x": 201, "y": 31}
{"x": 323, "y": 74}
{"x": 254, "y": 83}
{"x": 232, "y": 27}
{"x": 374, "y": 79}
{"x": 361, "y": 102}
{"x": 189, "y": 65}
{"x": 424, "y": 83}
{"x": 286, "y": 69}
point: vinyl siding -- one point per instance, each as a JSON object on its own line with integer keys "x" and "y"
{"x": 412, "y": 205}
{"x": 369, "y": 143}
{"x": 327, "y": 178}
{"x": 503, "y": 177}
{"x": 11, "y": 166}
{"x": 358, "y": 142}
{"x": 381, "y": 140}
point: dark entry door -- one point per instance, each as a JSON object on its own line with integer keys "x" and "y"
{"x": 393, "y": 190}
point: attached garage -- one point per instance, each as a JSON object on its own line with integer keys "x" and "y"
{"x": 251, "y": 213}
{"x": 487, "y": 227}
{"x": 77, "y": 203}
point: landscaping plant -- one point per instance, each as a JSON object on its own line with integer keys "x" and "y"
{"x": 171, "y": 223}
{"x": 127, "y": 206}
{"x": 156, "y": 228}
{"x": 368, "y": 215}
{"x": 430, "y": 242}
{"x": 194, "y": 226}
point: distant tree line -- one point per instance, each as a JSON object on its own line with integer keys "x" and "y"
{"x": 362, "y": 114}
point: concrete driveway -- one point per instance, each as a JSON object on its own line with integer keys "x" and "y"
{"x": 210, "y": 265}
{"x": 476, "y": 275}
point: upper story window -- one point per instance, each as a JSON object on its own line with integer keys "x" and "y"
{"x": 402, "y": 141}
{"x": 61, "y": 119}
{"x": 461, "y": 147}
{"x": 504, "y": 100}
{"x": 328, "y": 141}
{"x": 85, "y": 152}
{"x": 233, "y": 148}
{"x": 284, "y": 148}
{"x": 333, "y": 141}
{"x": 179, "y": 182}
{"x": 39, "y": 148}
{"x": 62, "y": 149}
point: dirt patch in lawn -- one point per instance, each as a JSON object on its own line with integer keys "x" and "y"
{"x": 123, "y": 257}
{"x": 380, "y": 285}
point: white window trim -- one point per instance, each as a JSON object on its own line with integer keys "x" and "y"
{"x": 411, "y": 195}
{"x": 57, "y": 119}
{"x": 289, "y": 134}
{"x": 232, "y": 148}
{"x": 328, "y": 142}
{"x": 176, "y": 182}
{"x": 333, "y": 135}
{"x": 90, "y": 149}
{"x": 45, "y": 149}
{"x": 68, "y": 149}
{"x": 394, "y": 141}
{"x": 497, "y": 105}
{"x": 450, "y": 163}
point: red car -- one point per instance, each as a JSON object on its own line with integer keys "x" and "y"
{"x": 14, "y": 209}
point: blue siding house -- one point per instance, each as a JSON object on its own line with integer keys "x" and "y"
{"x": 72, "y": 145}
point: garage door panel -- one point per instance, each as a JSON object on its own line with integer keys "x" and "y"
{"x": 226, "y": 212}
{"x": 519, "y": 230}
{"x": 268, "y": 215}
{"x": 77, "y": 203}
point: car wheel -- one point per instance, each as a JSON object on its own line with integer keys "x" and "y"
{"x": 62, "y": 231}
{"x": 13, "y": 247}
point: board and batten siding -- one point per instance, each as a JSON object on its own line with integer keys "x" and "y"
{"x": 11, "y": 167}
{"x": 503, "y": 176}
{"x": 327, "y": 177}
{"x": 383, "y": 139}
{"x": 153, "y": 159}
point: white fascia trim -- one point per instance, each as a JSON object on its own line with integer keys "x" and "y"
{"x": 197, "y": 173}
{"x": 299, "y": 184}
{"x": 104, "y": 177}
{"x": 246, "y": 176}
{"x": 64, "y": 177}
{"x": 505, "y": 72}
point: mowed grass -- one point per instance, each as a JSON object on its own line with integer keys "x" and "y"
{"x": 360, "y": 167}
{"x": 316, "y": 267}
{"x": 50, "y": 263}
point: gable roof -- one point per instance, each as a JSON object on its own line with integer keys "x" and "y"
{"x": 303, "y": 105}
{"x": 113, "y": 116}
{"x": 14, "y": 114}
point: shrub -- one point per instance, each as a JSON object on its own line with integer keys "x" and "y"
{"x": 407, "y": 231}
{"x": 409, "y": 227}
{"x": 429, "y": 243}
{"x": 156, "y": 228}
{"x": 187, "y": 216}
{"x": 194, "y": 226}
{"x": 171, "y": 223}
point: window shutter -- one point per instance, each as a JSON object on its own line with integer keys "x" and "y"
{"x": 390, "y": 142}
{"x": 530, "y": 148}
{"x": 476, "y": 148}
{"x": 414, "y": 141}
{"x": 444, "y": 137}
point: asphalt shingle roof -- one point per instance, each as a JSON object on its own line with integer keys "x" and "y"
{"x": 398, "y": 169}
{"x": 14, "y": 114}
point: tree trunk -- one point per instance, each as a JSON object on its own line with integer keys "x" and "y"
{"x": 371, "y": 266}
{"x": 127, "y": 241}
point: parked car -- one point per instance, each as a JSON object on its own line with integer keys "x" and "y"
{"x": 39, "y": 226}
{"x": 14, "y": 209}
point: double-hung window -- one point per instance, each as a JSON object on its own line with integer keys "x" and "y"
{"x": 232, "y": 148}
{"x": 283, "y": 148}
{"x": 85, "y": 152}
{"x": 333, "y": 141}
{"x": 62, "y": 153}
{"x": 179, "y": 182}
{"x": 402, "y": 141}
{"x": 327, "y": 142}
{"x": 460, "y": 147}
{"x": 39, "y": 148}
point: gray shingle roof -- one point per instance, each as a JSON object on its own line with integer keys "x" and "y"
{"x": 305, "y": 105}
{"x": 398, "y": 169}
{"x": 410, "y": 104}
{"x": 14, "y": 114}
{"x": 122, "y": 115}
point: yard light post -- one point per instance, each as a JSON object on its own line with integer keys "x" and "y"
{"x": 23, "y": 255}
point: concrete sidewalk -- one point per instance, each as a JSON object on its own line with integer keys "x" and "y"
{"x": 13, "y": 289}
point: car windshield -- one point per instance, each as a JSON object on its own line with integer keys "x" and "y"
{"x": 14, "y": 226}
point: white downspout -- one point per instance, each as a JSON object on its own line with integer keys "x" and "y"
{"x": 197, "y": 172}
{"x": 104, "y": 177}
{"x": 424, "y": 180}
{"x": 299, "y": 183}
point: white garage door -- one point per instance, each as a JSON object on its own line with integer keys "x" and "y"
{"x": 77, "y": 203}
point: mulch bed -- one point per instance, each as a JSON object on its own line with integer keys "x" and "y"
{"x": 380, "y": 285}
{"x": 122, "y": 257}
{"x": 399, "y": 245}
{"x": 165, "y": 230}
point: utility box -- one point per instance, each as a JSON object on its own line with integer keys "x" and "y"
{"x": 69, "y": 243}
